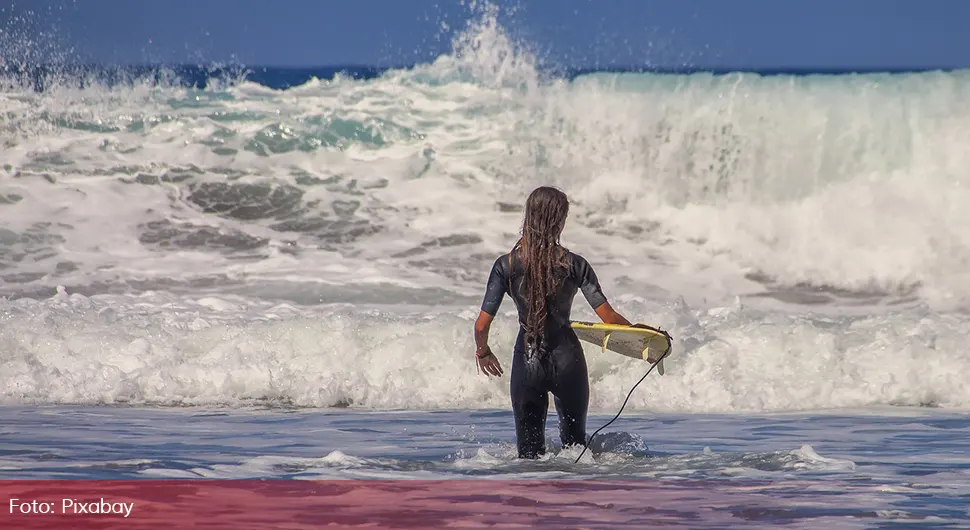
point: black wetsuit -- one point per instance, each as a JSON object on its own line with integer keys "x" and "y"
{"x": 561, "y": 370}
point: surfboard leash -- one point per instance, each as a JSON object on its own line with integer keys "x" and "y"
{"x": 670, "y": 345}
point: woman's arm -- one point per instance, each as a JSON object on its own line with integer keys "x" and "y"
{"x": 609, "y": 315}
{"x": 486, "y": 361}
{"x": 482, "y": 325}
{"x": 495, "y": 290}
{"x": 590, "y": 286}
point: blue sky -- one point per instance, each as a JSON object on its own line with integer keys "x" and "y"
{"x": 745, "y": 34}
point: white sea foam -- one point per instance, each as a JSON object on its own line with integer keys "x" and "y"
{"x": 259, "y": 223}
{"x": 164, "y": 349}
{"x": 704, "y": 186}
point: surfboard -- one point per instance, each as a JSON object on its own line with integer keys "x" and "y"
{"x": 646, "y": 343}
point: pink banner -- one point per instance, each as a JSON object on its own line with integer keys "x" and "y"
{"x": 383, "y": 504}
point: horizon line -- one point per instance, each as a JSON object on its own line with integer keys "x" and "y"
{"x": 569, "y": 70}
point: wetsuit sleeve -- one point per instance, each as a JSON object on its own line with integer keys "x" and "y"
{"x": 589, "y": 283}
{"x": 496, "y": 287}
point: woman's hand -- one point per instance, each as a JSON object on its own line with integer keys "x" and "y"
{"x": 487, "y": 362}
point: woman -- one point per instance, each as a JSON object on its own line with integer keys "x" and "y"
{"x": 542, "y": 278}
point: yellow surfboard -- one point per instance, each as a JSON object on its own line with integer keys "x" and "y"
{"x": 643, "y": 342}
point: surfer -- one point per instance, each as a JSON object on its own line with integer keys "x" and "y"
{"x": 542, "y": 278}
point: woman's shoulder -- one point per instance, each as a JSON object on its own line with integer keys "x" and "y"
{"x": 576, "y": 258}
{"x": 501, "y": 263}
{"x": 578, "y": 265}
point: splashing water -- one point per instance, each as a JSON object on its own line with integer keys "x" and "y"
{"x": 234, "y": 237}
{"x": 212, "y": 259}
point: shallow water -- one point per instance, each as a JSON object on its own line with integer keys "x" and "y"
{"x": 848, "y": 468}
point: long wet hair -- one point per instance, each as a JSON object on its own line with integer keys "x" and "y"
{"x": 542, "y": 257}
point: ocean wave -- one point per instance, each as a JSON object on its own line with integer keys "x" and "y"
{"x": 835, "y": 183}
{"x": 164, "y": 350}
{"x": 835, "y": 195}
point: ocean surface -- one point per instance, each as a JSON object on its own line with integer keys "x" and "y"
{"x": 274, "y": 274}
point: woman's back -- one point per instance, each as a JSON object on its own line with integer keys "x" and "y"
{"x": 576, "y": 274}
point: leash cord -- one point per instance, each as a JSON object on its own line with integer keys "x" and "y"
{"x": 670, "y": 344}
